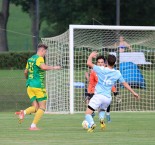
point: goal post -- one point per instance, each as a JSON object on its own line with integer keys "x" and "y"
{"x": 66, "y": 87}
{"x": 71, "y": 58}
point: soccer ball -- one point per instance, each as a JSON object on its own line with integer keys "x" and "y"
{"x": 85, "y": 124}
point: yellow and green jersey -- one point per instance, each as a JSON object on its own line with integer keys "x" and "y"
{"x": 35, "y": 73}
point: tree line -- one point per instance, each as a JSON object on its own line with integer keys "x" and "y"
{"x": 58, "y": 14}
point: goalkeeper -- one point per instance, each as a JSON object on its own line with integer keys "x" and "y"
{"x": 93, "y": 79}
{"x": 34, "y": 74}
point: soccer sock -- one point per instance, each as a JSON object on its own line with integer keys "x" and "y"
{"x": 89, "y": 119}
{"x": 30, "y": 110}
{"x": 38, "y": 115}
{"x": 101, "y": 114}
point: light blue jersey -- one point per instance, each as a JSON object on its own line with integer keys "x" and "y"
{"x": 106, "y": 79}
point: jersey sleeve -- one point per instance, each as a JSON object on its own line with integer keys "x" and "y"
{"x": 26, "y": 66}
{"x": 40, "y": 61}
{"x": 92, "y": 82}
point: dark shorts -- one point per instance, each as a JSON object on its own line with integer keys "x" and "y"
{"x": 87, "y": 95}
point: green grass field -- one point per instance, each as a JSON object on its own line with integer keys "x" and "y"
{"x": 13, "y": 94}
{"x": 125, "y": 129}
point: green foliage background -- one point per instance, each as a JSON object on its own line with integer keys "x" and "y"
{"x": 56, "y": 16}
{"x": 14, "y": 60}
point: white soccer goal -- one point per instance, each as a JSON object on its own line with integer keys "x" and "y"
{"x": 66, "y": 87}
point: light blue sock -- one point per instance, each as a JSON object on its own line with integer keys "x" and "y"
{"x": 101, "y": 114}
{"x": 89, "y": 119}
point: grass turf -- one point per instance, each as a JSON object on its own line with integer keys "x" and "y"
{"x": 130, "y": 128}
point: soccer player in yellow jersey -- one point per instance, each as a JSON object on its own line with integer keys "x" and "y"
{"x": 34, "y": 73}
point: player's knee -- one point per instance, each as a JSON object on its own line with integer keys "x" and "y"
{"x": 89, "y": 110}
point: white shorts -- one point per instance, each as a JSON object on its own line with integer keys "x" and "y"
{"x": 99, "y": 100}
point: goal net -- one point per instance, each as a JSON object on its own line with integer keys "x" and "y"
{"x": 67, "y": 87}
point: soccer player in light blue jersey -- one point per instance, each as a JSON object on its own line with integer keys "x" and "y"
{"x": 107, "y": 77}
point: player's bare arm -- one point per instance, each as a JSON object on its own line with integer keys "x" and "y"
{"x": 46, "y": 67}
{"x": 26, "y": 73}
{"x": 126, "y": 85}
{"x": 92, "y": 55}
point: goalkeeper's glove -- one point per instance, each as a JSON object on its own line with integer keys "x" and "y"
{"x": 115, "y": 93}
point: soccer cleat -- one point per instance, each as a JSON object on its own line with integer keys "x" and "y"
{"x": 102, "y": 124}
{"x": 92, "y": 128}
{"x": 34, "y": 128}
{"x": 108, "y": 118}
{"x": 20, "y": 116}
{"x": 17, "y": 113}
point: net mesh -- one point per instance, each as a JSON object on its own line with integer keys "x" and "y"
{"x": 140, "y": 73}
